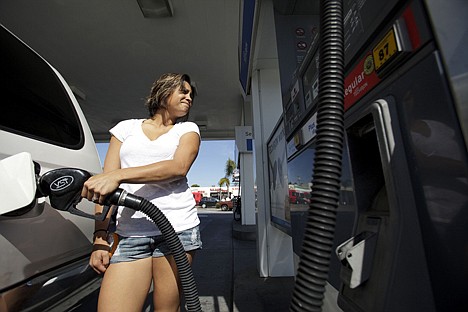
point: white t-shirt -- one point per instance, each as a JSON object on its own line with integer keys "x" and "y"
{"x": 174, "y": 199}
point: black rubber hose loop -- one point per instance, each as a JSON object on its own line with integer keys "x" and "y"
{"x": 312, "y": 273}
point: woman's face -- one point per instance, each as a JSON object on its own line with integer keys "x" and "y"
{"x": 180, "y": 101}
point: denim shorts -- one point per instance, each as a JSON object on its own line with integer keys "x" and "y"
{"x": 135, "y": 248}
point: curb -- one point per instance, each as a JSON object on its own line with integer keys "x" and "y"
{"x": 244, "y": 232}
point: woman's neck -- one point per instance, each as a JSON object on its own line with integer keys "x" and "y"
{"x": 160, "y": 119}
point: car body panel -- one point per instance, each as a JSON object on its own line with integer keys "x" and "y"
{"x": 37, "y": 242}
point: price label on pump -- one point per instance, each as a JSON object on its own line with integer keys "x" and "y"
{"x": 394, "y": 45}
{"x": 385, "y": 50}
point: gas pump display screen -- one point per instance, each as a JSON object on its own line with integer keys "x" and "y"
{"x": 300, "y": 175}
{"x": 300, "y": 171}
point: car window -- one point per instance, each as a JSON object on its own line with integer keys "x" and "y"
{"x": 33, "y": 100}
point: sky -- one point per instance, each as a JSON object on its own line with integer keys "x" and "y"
{"x": 209, "y": 166}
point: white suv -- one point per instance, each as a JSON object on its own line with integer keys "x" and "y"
{"x": 44, "y": 252}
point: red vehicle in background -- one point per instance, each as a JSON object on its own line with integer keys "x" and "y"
{"x": 226, "y": 204}
{"x": 299, "y": 196}
{"x": 197, "y": 196}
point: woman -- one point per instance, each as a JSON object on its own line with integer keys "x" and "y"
{"x": 149, "y": 158}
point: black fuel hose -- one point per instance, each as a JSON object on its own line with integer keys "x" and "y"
{"x": 316, "y": 251}
{"x": 123, "y": 198}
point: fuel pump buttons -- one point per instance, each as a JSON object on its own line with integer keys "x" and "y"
{"x": 356, "y": 255}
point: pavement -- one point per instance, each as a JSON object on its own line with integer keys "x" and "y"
{"x": 225, "y": 271}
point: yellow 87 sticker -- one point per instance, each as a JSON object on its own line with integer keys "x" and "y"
{"x": 385, "y": 49}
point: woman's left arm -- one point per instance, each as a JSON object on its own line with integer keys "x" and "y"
{"x": 167, "y": 170}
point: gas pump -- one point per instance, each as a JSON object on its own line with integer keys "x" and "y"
{"x": 403, "y": 134}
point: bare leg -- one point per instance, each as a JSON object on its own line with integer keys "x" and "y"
{"x": 167, "y": 291}
{"x": 125, "y": 286}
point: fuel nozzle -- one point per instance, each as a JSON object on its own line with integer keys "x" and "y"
{"x": 121, "y": 197}
{"x": 63, "y": 187}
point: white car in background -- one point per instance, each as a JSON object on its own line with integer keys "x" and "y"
{"x": 44, "y": 252}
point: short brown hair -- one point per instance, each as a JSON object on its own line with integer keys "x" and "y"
{"x": 163, "y": 88}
